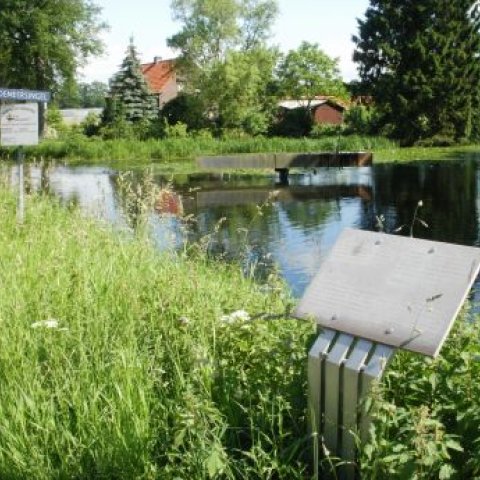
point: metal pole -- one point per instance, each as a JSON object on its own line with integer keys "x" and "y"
{"x": 21, "y": 188}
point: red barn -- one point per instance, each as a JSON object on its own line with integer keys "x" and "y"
{"x": 324, "y": 109}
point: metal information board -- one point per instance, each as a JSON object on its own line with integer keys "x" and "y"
{"x": 399, "y": 291}
{"x": 19, "y": 124}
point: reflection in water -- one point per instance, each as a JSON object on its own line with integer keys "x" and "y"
{"x": 290, "y": 228}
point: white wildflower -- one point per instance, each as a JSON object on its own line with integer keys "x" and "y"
{"x": 237, "y": 316}
{"x": 183, "y": 321}
{"x": 50, "y": 323}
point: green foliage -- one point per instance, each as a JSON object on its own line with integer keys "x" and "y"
{"x": 82, "y": 95}
{"x": 211, "y": 28}
{"x": 129, "y": 95}
{"x": 427, "y": 413}
{"x": 91, "y": 125}
{"x": 121, "y": 146}
{"x": 185, "y": 108}
{"x": 307, "y": 72}
{"x": 54, "y": 120}
{"x": 43, "y": 43}
{"x": 326, "y": 129}
{"x": 361, "y": 119}
{"x": 240, "y": 93}
{"x": 117, "y": 128}
{"x": 178, "y": 130}
{"x": 225, "y": 62}
{"x": 419, "y": 60}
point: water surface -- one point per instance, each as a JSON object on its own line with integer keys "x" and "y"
{"x": 269, "y": 226}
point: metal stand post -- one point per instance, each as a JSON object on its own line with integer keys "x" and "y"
{"x": 341, "y": 369}
{"x": 21, "y": 187}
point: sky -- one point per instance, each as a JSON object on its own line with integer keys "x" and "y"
{"x": 330, "y": 23}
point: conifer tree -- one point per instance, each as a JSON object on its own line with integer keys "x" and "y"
{"x": 420, "y": 62}
{"x": 129, "y": 94}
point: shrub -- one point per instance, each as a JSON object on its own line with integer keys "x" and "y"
{"x": 436, "y": 141}
{"x": 55, "y": 124}
{"x": 178, "y": 130}
{"x": 326, "y": 129}
{"x": 91, "y": 125}
{"x": 361, "y": 119}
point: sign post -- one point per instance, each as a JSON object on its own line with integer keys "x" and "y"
{"x": 19, "y": 127}
{"x": 373, "y": 294}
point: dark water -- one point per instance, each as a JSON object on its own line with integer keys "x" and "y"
{"x": 288, "y": 228}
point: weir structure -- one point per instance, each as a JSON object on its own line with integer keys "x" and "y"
{"x": 284, "y": 162}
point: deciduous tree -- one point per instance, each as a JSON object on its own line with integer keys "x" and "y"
{"x": 308, "y": 72}
{"x": 303, "y": 74}
{"x": 224, "y": 59}
{"x": 42, "y": 43}
{"x": 82, "y": 95}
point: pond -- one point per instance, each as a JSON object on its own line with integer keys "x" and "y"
{"x": 287, "y": 228}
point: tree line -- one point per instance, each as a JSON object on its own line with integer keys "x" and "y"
{"x": 418, "y": 65}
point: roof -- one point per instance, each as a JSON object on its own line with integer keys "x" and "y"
{"x": 313, "y": 103}
{"x": 158, "y": 73}
{"x": 294, "y": 104}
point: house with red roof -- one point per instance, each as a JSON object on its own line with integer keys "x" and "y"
{"x": 162, "y": 79}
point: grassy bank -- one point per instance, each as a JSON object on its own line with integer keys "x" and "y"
{"x": 92, "y": 150}
{"x": 176, "y": 155}
{"x": 419, "y": 154}
{"x": 143, "y": 376}
{"x": 117, "y": 361}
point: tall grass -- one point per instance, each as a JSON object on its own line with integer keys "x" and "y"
{"x": 117, "y": 361}
{"x": 168, "y": 150}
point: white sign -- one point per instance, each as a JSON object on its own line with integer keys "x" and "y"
{"x": 19, "y": 124}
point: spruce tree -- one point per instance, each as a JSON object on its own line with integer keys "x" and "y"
{"x": 420, "y": 62}
{"x": 129, "y": 94}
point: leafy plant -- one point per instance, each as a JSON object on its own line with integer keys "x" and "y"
{"x": 426, "y": 413}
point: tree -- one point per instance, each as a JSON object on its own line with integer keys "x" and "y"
{"x": 257, "y": 19}
{"x": 209, "y": 28}
{"x": 42, "y": 43}
{"x": 420, "y": 62}
{"x": 304, "y": 74}
{"x": 308, "y": 72}
{"x": 224, "y": 59}
{"x": 243, "y": 99}
{"x": 93, "y": 94}
{"x": 129, "y": 95}
{"x": 82, "y": 95}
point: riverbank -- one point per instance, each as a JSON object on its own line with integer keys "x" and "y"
{"x": 177, "y": 155}
{"x": 78, "y": 148}
{"x": 117, "y": 361}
